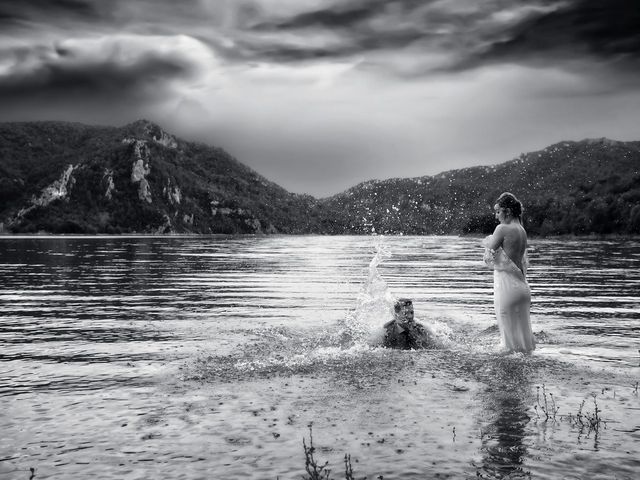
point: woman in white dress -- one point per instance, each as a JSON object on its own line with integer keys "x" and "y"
{"x": 506, "y": 253}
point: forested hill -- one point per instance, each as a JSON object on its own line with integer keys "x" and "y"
{"x": 72, "y": 178}
{"x": 591, "y": 186}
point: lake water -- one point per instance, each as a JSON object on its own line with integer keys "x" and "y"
{"x": 210, "y": 357}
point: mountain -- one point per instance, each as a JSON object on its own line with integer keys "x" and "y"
{"x": 591, "y": 186}
{"x": 72, "y": 178}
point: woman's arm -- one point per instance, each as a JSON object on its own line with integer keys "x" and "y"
{"x": 496, "y": 240}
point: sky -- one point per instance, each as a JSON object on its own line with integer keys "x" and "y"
{"x": 319, "y": 95}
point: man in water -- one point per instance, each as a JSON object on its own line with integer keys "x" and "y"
{"x": 403, "y": 331}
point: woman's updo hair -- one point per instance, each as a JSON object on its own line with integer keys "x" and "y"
{"x": 509, "y": 200}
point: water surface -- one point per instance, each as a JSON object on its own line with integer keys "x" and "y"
{"x": 209, "y": 357}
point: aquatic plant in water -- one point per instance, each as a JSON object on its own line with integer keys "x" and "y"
{"x": 548, "y": 405}
{"x": 583, "y": 420}
{"x": 589, "y": 421}
{"x": 311, "y": 465}
{"x": 316, "y": 471}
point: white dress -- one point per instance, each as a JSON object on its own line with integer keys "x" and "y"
{"x": 511, "y": 298}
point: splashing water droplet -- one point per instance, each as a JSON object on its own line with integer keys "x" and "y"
{"x": 375, "y": 305}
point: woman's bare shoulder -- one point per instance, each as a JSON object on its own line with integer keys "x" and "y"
{"x": 521, "y": 231}
{"x": 501, "y": 229}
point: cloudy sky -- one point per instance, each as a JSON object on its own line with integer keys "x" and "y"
{"x": 318, "y": 95}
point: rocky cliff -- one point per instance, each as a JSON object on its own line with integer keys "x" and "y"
{"x": 59, "y": 177}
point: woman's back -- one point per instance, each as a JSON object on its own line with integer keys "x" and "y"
{"x": 514, "y": 242}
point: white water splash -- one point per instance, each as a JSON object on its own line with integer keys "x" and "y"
{"x": 365, "y": 325}
{"x": 316, "y": 358}
{"x": 375, "y": 304}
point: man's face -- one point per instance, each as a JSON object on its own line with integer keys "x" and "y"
{"x": 406, "y": 313}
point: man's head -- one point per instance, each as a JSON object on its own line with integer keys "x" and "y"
{"x": 404, "y": 310}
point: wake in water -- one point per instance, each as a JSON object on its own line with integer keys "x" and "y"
{"x": 354, "y": 344}
{"x": 353, "y": 347}
{"x": 375, "y": 308}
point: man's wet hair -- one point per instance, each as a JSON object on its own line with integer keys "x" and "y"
{"x": 402, "y": 302}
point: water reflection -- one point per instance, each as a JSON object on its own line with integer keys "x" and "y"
{"x": 506, "y": 402}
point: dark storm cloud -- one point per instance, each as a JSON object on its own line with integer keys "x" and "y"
{"x": 105, "y": 68}
{"x": 90, "y": 16}
{"x": 358, "y": 27}
{"x": 52, "y": 77}
{"x": 345, "y": 14}
{"x": 12, "y": 11}
{"x": 435, "y": 27}
{"x": 336, "y": 17}
{"x": 488, "y": 32}
{"x": 607, "y": 29}
{"x": 355, "y": 46}
{"x": 471, "y": 34}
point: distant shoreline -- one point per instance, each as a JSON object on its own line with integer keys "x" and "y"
{"x": 588, "y": 236}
